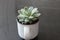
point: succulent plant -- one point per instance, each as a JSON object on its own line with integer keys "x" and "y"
{"x": 28, "y": 15}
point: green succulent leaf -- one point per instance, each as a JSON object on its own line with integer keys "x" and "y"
{"x": 31, "y": 17}
{"x": 26, "y": 20}
{"x": 28, "y": 14}
{"x": 37, "y": 15}
{"x": 21, "y": 20}
{"x": 35, "y": 18}
{"x": 30, "y": 9}
{"x": 19, "y": 11}
{"x": 34, "y": 11}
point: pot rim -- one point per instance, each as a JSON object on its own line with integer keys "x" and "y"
{"x": 27, "y": 24}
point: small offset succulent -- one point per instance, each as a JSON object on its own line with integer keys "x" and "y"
{"x": 28, "y": 15}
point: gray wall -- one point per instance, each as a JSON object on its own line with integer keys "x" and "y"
{"x": 50, "y": 18}
{"x": 7, "y": 20}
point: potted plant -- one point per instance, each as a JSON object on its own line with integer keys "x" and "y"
{"x": 28, "y": 22}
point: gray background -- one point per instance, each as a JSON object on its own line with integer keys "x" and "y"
{"x": 49, "y": 20}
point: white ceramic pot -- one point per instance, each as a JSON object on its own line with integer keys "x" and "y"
{"x": 28, "y": 31}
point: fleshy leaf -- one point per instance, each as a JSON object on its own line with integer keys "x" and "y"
{"x": 31, "y": 17}
{"x": 19, "y": 11}
{"x": 37, "y": 15}
{"x": 21, "y": 20}
{"x": 30, "y": 9}
{"x": 26, "y": 20}
{"x": 34, "y": 10}
{"x": 22, "y": 10}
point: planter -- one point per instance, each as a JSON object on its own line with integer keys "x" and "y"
{"x": 28, "y": 31}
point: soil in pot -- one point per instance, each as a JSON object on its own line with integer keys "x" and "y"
{"x": 28, "y": 22}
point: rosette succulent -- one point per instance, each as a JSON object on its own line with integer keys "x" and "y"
{"x": 28, "y": 15}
